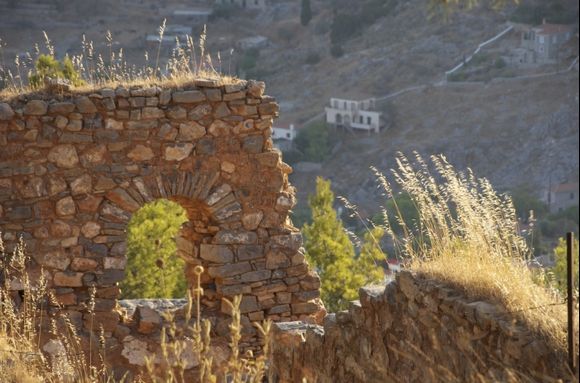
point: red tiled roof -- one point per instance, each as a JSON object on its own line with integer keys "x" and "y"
{"x": 552, "y": 29}
{"x": 563, "y": 188}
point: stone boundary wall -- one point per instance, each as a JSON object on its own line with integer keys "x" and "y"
{"x": 413, "y": 330}
{"x": 75, "y": 167}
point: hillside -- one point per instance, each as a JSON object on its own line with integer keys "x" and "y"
{"x": 402, "y": 45}
{"x": 522, "y": 132}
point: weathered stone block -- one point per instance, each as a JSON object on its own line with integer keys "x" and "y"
{"x": 83, "y": 264}
{"x": 188, "y": 97}
{"x": 141, "y": 153}
{"x": 255, "y": 276}
{"x": 65, "y": 206}
{"x": 6, "y": 112}
{"x": 116, "y": 263}
{"x": 178, "y": 152}
{"x": 68, "y": 279}
{"x": 85, "y": 105}
{"x": 64, "y": 156}
{"x": 110, "y": 276}
{"x": 231, "y": 237}
{"x": 253, "y": 144}
{"x": 120, "y": 197}
{"x": 216, "y": 253}
{"x": 190, "y": 131}
{"x": 36, "y": 108}
{"x": 81, "y": 185}
{"x": 56, "y": 259}
{"x": 148, "y": 320}
{"x": 246, "y": 252}
{"x": 229, "y": 270}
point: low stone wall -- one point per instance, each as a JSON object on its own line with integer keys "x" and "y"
{"x": 412, "y": 330}
{"x": 74, "y": 167}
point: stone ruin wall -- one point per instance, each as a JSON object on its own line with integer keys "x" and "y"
{"x": 414, "y": 330}
{"x": 75, "y": 167}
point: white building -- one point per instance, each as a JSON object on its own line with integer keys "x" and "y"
{"x": 283, "y": 137}
{"x": 288, "y": 133}
{"x": 354, "y": 114}
{"x": 249, "y": 4}
{"x": 253, "y": 42}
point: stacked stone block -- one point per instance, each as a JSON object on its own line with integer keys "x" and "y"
{"x": 75, "y": 167}
{"x": 415, "y": 330}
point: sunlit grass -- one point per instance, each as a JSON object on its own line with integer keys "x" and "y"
{"x": 23, "y": 304}
{"x": 467, "y": 236}
{"x": 188, "y": 61}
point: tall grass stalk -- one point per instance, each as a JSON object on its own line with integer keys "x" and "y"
{"x": 184, "y": 64}
{"x": 467, "y": 236}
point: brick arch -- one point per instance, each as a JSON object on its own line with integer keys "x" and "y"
{"x": 74, "y": 167}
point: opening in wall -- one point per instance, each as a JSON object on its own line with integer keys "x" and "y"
{"x": 153, "y": 268}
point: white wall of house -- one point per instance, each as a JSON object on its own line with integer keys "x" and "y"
{"x": 284, "y": 133}
{"x": 353, "y": 114}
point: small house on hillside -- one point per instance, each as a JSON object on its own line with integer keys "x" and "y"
{"x": 360, "y": 115}
{"x": 284, "y": 136}
{"x": 563, "y": 196}
{"x": 542, "y": 44}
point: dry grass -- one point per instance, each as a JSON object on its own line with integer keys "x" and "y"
{"x": 188, "y": 61}
{"x": 23, "y": 304}
{"x": 467, "y": 236}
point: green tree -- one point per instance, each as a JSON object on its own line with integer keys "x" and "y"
{"x": 313, "y": 142}
{"x": 330, "y": 251}
{"x": 153, "y": 268}
{"x": 370, "y": 256}
{"x": 560, "y": 269}
{"x": 305, "y": 12}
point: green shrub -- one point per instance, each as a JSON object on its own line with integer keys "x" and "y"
{"x": 313, "y": 142}
{"x": 312, "y": 58}
{"x": 500, "y": 63}
{"x": 47, "y": 66}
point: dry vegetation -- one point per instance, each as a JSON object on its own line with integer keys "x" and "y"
{"x": 23, "y": 304}
{"x": 91, "y": 70}
{"x": 467, "y": 236}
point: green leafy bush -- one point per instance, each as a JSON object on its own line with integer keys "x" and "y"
{"x": 47, "y": 66}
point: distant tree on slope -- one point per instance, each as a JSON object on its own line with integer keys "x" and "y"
{"x": 305, "y": 12}
{"x": 330, "y": 252}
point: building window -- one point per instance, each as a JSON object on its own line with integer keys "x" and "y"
{"x": 369, "y": 120}
{"x": 360, "y": 119}
{"x": 541, "y": 39}
{"x": 335, "y": 104}
{"x": 345, "y": 105}
{"x": 287, "y": 134}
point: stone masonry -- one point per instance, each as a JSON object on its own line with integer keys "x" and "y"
{"x": 75, "y": 167}
{"x": 415, "y": 330}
